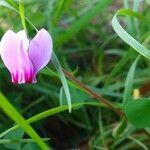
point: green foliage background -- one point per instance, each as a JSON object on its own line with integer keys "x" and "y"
{"x": 87, "y": 46}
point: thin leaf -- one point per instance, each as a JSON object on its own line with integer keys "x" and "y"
{"x": 21, "y": 11}
{"x": 138, "y": 142}
{"x": 5, "y": 4}
{"x": 17, "y": 117}
{"x": 129, "y": 82}
{"x": 82, "y": 22}
{"x": 12, "y": 141}
{"x": 52, "y": 112}
{"x": 58, "y": 67}
{"x": 127, "y": 37}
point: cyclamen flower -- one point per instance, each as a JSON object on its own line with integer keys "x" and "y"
{"x": 24, "y": 58}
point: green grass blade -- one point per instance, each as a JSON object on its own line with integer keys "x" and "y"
{"x": 129, "y": 129}
{"x": 52, "y": 112}
{"x": 118, "y": 66}
{"x": 82, "y": 22}
{"x": 7, "y": 5}
{"x": 60, "y": 6}
{"x": 127, "y": 37}
{"x": 11, "y": 2}
{"x": 9, "y": 141}
{"x": 21, "y": 11}
{"x": 138, "y": 142}
{"x": 129, "y": 82}
{"x": 58, "y": 67}
{"x": 136, "y": 4}
{"x": 17, "y": 117}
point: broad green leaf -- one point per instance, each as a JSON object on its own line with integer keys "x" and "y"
{"x": 138, "y": 112}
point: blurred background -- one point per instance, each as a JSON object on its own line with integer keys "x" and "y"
{"x": 87, "y": 46}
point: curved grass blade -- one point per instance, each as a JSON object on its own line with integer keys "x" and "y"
{"x": 127, "y": 37}
{"x": 52, "y": 112}
{"x": 17, "y": 117}
{"x": 58, "y": 67}
{"x": 138, "y": 142}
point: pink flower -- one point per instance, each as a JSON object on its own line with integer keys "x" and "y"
{"x": 24, "y": 58}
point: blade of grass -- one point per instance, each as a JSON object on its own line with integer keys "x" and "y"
{"x": 7, "y": 5}
{"x": 21, "y": 11}
{"x": 60, "y": 6}
{"x": 129, "y": 82}
{"x": 9, "y": 141}
{"x": 82, "y": 22}
{"x": 11, "y": 2}
{"x": 127, "y": 37}
{"x": 52, "y": 112}
{"x": 17, "y": 117}
{"x": 58, "y": 67}
{"x": 129, "y": 129}
{"x": 138, "y": 142}
{"x": 118, "y": 66}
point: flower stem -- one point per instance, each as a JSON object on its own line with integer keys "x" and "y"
{"x": 92, "y": 93}
{"x": 21, "y": 11}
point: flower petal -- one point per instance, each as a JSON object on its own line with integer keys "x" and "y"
{"x": 40, "y": 50}
{"x": 14, "y": 53}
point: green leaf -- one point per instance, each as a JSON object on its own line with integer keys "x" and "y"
{"x": 30, "y": 146}
{"x": 138, "y": 112}
{"x": 17, "y": 117}
{"x": 74, "y": 96}
{"x": 138, "y": 142}
{"x": 7, "y": 5}
{"x": 52, "y": 112}
{"x": 127, "y": 37}
{"x": 58, "y": 67}
{"x": 21, "y": 11}
{"x": 13, "y": 135}
{"x": 118, "y": 66}
{"x": 129, "y": 82}
{"x": 58, "y": 11}
{"x": 118, "y": 130}
{"x": 82, "y": 22}
{"x": 128, "y": 130}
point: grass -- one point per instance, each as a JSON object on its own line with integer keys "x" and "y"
{"x": 102, "y": 56}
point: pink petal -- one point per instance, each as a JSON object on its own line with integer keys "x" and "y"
{"x": 40, "y": 50}
{"x": 14, "y": 53}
